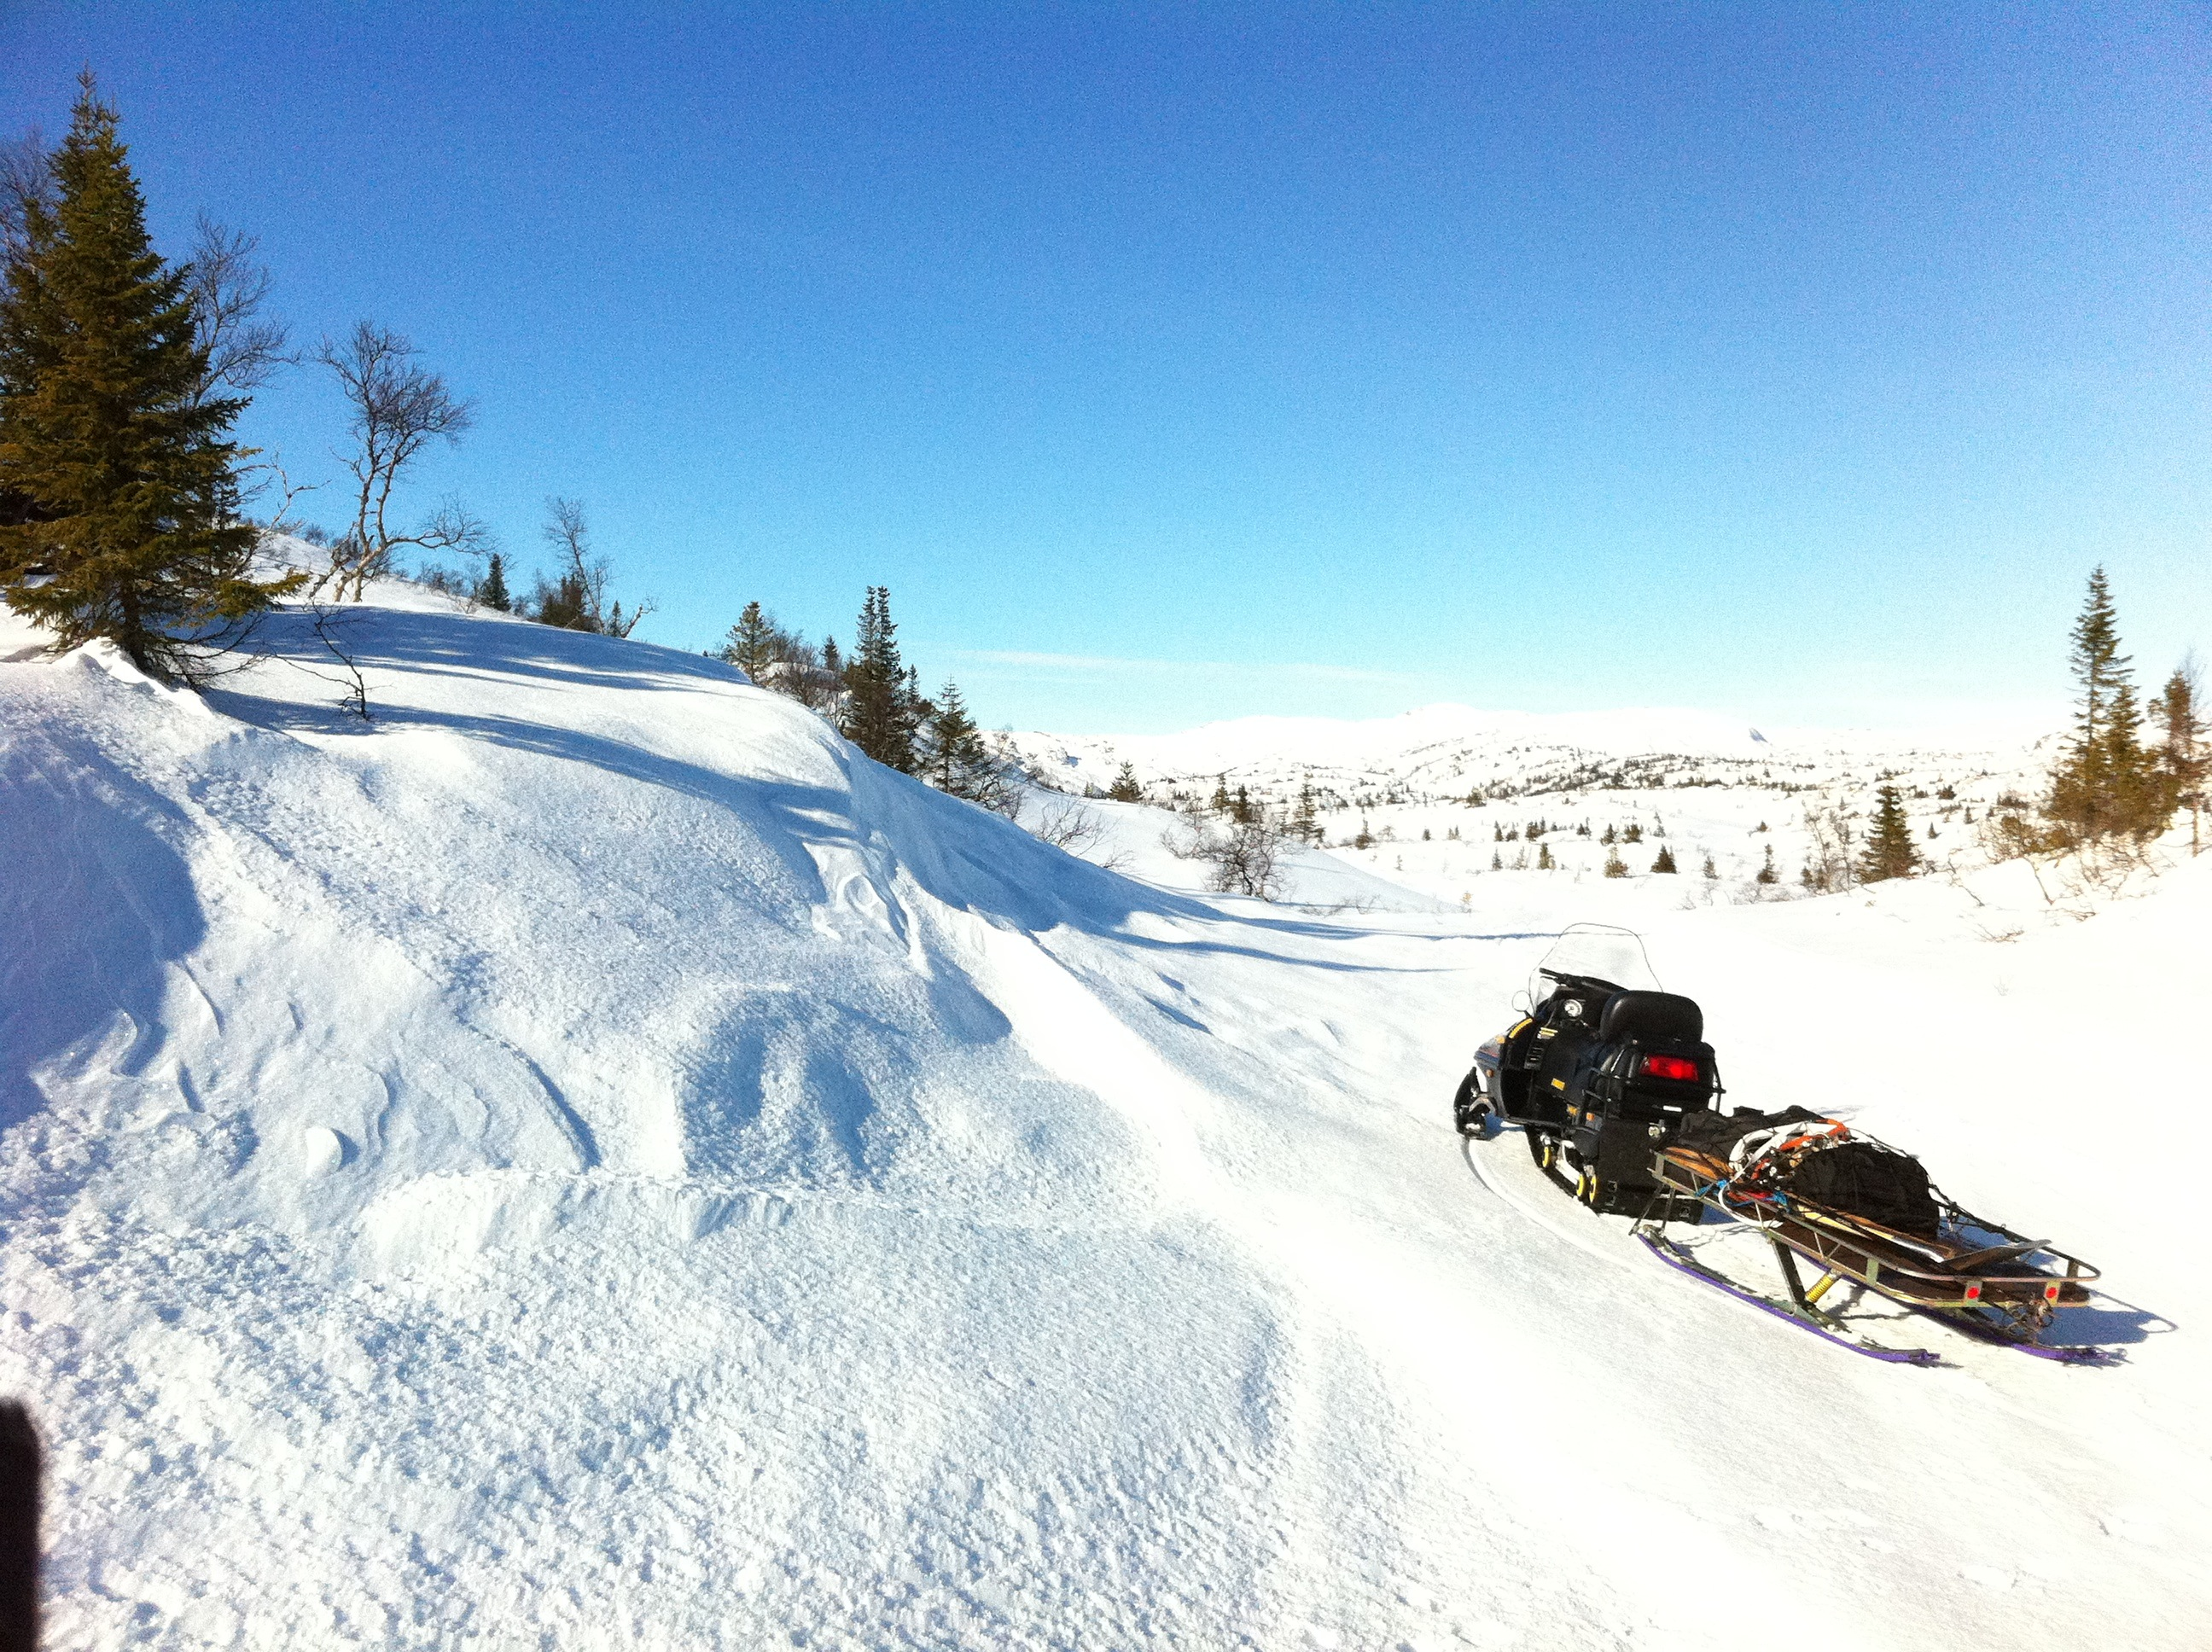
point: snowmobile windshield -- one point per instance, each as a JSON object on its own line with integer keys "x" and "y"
{"x": 1598, "y": 951}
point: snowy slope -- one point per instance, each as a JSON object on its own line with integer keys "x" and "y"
{"x": 587, "y": 1160}
{"x": 1144, "y": 841}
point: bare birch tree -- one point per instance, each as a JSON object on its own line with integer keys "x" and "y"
{"x": 399, "y": 408}
{"x": 1828, "y": 862}
{"x": 24, "y": 178}
{"x": 228, "y": 286}
{"x": 577, "y": 598}
{"x": 1241, "y": 860}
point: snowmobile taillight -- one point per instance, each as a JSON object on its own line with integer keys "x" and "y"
{"x": 1670, "y": 1066}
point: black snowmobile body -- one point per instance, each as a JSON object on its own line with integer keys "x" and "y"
{"x": 1599, "y": 1077}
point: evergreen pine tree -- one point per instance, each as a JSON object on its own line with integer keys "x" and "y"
{"x": 566, "y": 603}
{"x": 914, "y": 705}
{"x": 1544, "y": 861}
{"x": 1127, "y": 787}
{"x": 1498, "y": 861}
{"x": 2104, "y": 786}
{"x": 1665, "y": 863}
{"x": 954, "y": 743}
{"x": 1614, "y": 865}
{"x": 879, "y": 709}
{"x": 959, "y": 763}
{"x": 1219, "y": 802}
{"x": 492, "y": 590}
{"x": 2178, "y": 715}
{"x": 754, "y": 643}
{"x": 1766, "y": 874}
{"x": 1889, "y": 850}
{"x": 1710, "y": 871}
{"x": 2136, "y": 792}
{"x": 106, "y": 440}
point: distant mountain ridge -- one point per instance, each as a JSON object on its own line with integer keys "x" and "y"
{"x": 1440, "y": 751}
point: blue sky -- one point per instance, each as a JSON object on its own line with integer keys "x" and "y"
{"x": 1173, "y": 363}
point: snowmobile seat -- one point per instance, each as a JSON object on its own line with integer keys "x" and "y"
{"x": 1652, "y": 1015}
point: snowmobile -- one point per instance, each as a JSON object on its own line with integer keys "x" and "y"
{"x": 1599, "y": 1073}
{"x": 1610, "y": 1079}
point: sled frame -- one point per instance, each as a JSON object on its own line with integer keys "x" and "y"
{"x": 2001, "y": 1295}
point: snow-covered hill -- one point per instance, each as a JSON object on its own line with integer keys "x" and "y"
{"x": 1439, "y": 753}
{"x": 586, "y": 1159}
{"x": 1443, "y": 793}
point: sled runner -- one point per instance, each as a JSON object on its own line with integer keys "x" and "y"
{"x": 1616, "y": 1093}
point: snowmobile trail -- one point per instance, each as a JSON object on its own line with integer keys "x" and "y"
{"x": 1493, "y": 1176}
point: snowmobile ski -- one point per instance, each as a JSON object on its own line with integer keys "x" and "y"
{"x": 1681, "y": 1259}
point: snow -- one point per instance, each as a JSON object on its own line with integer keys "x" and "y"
{"x": 1142, "y": 841}
{"x": 1441, "y": 750}
{"x": 584, "y": 1159}
{"x": 1713, "y": 789}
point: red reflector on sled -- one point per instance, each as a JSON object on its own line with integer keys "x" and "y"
{"x": 2050, "y": 1292}
{"x": 1974, "y": 1293}
{"x": 1670, "y": 1066}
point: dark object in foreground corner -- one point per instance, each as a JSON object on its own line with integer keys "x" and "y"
{"x": 19, "y": 1529}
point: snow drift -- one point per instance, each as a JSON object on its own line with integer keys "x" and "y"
{"x": 585, "y": 1158}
